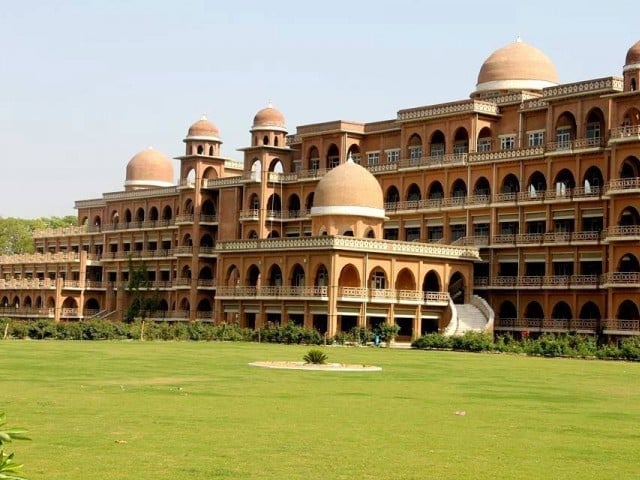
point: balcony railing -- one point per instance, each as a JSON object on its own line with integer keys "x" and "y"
{"x": 622, "y": 185}
{"x": 26, "y": 284}
{"x": 271, "y": 291}
{"x": 549, "y": 324}
{"x": 547, "y": 281}
{"x": 622, "y": 279}
{"x": 137, "y": 225}
{"x": 619, "y": 325}
{"x": 630, "y": 133}
{"x": 622, "y": 232}
{"x": 32, "y": 312}
{"x": 434, "y": 161}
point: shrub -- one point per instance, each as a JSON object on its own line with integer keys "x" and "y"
{"x": 472, "y": 342}
{"x": 8, "y": 468}
{"x": 630, "y": 349}
{"x": 432, "y": 341}
{"x": 316, "y": 357}
{"x": 387, "y": 331}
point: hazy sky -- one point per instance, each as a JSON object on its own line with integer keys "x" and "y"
{"x": 87, "y": 84}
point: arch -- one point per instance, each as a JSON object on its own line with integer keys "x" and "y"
{"x": 210, "y": 172}
{"x": 115, "y": 217}
{"x": 435, "y": 190}
{"x": 252, "y": 234}
{"x": 276, "y": 166}
{"x": 206, "y": 241}
{"x": 97, "y": 221}
{"x": 253, "y": 276}
{"x": 127, "y": 216}
{"x": 561, "y": 311}
{"x": 594, "y": 127}
{"x": 254, "y": 202}
{"x": 628, "y": 263}
{"x": 537, "y": 183}
{"x": 333, "y": 156}
{"x": 37, "y": 303}
{"x": 204, "y": 305}
{"x": 208, "y": 208}
{"x": 378, "y": 279}
{"x": 26, "y": 303}
{"x": 185, "y": 306}
{"x": 485, "y": 140}
{"x": 200, "y": 150}
{"x": 92, "y": 304}
{"x": 482, "y": 187}
{"x": 564, "y": 181}
{"x": 457, "y": 287}
{"x": 167, "y": 212}
{"x": 163, "y": 306}
{"x": 322, "y": 276}
{"x": 85, "y": 221}
{"x": 297, "y": 278}
{"x": 348, "y": 232}
{"x": 256, "y": 169}
{"x": 273, "y": 234}
{"x": 459, "y": 189}
{"x": 507, "y": 310}
{"x": 51, "y": 302}
{"x": 630, "y": 167}
{"x": 190, "y": 177}
{"x": 274, "y": 276}
{"x": 590, "y": 311}
{"x": 187, "y": 241}
{"x": 392, "y": 195}
{"x": 274, "y": 203}
{"x": 153, "y": 214}
{"x": 313, "y": 158}
{"x": 510, "y": 184}
{"x": 265, "y": 140}
{"x": 140, "y": 214}
{"x": 275, "y": 141}
{"x": 232, "y": 277}
{"x": 565, "y": 130}
{"x": 405, "y": 280}
{"x": 349, "y": 276}
{"x": 370, "y": 233}
{"x": 70, "y": 302}
{"x": 628, "y": 310}
{"x": 461, "y": 141}
{"x": 629, "y": 216}
{"x": 205, "y": 273}
{"x": 354, "y": 152}
{"x": 210, "y": 153}
{"x": 413, "y": 193}
{"x": 16, "y": 302}
{"x": 631, "y": 117}
{"x": 534, "y": 311}
{"x": 431, "y": 282}
{"x": 438, "y": 144}
{"x": 188, "y": 206}
{"x": 185, "y": 272}
{"x": 593, "y": 179}
{"x": 309, "y": 202}
{"x": 293, "y": 205}
{"x": 414, "y": 148}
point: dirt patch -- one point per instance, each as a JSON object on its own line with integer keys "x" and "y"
{"x": 327, "y": 367}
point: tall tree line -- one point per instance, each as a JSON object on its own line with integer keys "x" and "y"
{"x": 16, "y": 234}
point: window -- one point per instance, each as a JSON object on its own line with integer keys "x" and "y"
{"x": 355, "y": 157}
{"x": 333, "y": 162}
{"x": 373, "y": 158}
{"x": 507, "y": 142}
{"x": 412, "y": 234}
{"x": 593, "y": 134}
{"x": 461, "y": 147}
{"x": 314, "y": 164}
{"x": 297, "y": 166}
{"x": 437, "y": 149}
{"x": 415, "y": 154}
{"x": 481, "y": 230}
{"x": 563, "y": 137}
{"x": 378, "y": 281}
{"x": 435, "y": 234}
{"x": 393, "y": 156}
{"x": 458, "y": 231}
{"x": 536, "y": 139}
{"x": 484, "y": 144}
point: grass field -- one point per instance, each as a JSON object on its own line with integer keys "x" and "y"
{"x": 131, "y": 410}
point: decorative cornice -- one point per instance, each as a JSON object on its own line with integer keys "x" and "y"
{"x": 448, "y": 109}
{"x": 598, "y": 85}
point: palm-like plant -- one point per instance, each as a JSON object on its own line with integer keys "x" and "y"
{"x": 9, "y": 470}
{"x": 315, "y": 356}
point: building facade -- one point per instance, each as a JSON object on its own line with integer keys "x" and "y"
{"x": 519, "y": 205}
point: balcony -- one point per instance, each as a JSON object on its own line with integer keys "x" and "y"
{"x": 279, "y": 292}
{"x": 622, "y": 233}
{"x": 619, "y": 186}
{"x": 183, "y": 251}
{"x": 169, "y": 316}
{"x": 373, "y": 295}
{"x": 137, "y": 225}
{"x": 136, "y": 254}
{"x": 616, "y": 326}
{"x": 505, "y": 155}
{"x": 529, "y": 238}
{"x": 625, "y": 134}
{"x": 434, "y": 161}
{"x": 252, "y": 215}
{"x": 574, "y": 146}
{"x": 546, "y": 325}
{"x": 206, "y": 283}
{"x": 621, "y": 279}
{"x": 184, "y": 219}
{"x": 547, "y": 282}
{"x": 27, "y": 312}
{"x": 27, "y": 284}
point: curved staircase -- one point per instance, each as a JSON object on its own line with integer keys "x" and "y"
{"x": 476, "y": 316}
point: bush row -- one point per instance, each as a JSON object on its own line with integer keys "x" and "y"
{"x": 550, "y": 345}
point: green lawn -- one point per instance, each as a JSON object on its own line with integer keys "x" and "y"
{"x": 130, "y": 410}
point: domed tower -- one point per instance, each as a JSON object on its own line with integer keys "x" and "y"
{"x": 631, "y": 70}
{"x": 514, "y": 68}
{"x": 348, "y": 201}
{"x": 149, "y": 169}
{"x": 268, "y": 128}
{"x": 203, "y": 138}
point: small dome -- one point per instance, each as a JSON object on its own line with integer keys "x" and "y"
{"x": 268, "y": 118}
{"x": 149, "y": 168}
{"x": 348, "y": 189}
{"x": 633, "y": 54}
{"x": 517, "y": 66}
{"x": 203, "y": 128}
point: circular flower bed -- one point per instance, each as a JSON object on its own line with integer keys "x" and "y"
{"x": 327, "y": 367}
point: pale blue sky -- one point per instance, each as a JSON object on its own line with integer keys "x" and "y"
{"x": 87, "y": 84}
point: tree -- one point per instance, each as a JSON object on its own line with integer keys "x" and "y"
{"x": 142, "y": 300}
{"x": 16, "y": 234}
{"x": 9, "y": 470}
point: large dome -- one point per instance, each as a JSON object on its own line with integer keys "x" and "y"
{"x": 147, "y": 169}
{"x": 348, "y": 189}
{"x": 517, "y": 66}
{"x": 268, "y": 118}
{"x": 633, "y": 55}
{"x": 203, "y": 129}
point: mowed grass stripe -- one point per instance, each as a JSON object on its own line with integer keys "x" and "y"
{"x": 125, "y": 410}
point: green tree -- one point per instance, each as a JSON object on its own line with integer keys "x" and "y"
{"x": 142, "y": 299}
{"x": 16, "y": 234}
{"x": 9, "y": 470}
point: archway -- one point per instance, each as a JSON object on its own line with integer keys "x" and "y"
{"x": 431, "y": 282}
{"x": 457, "y": 288}
{"x": 507, "y": 310}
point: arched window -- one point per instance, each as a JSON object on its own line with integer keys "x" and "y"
{"x": 437, "y": 146}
